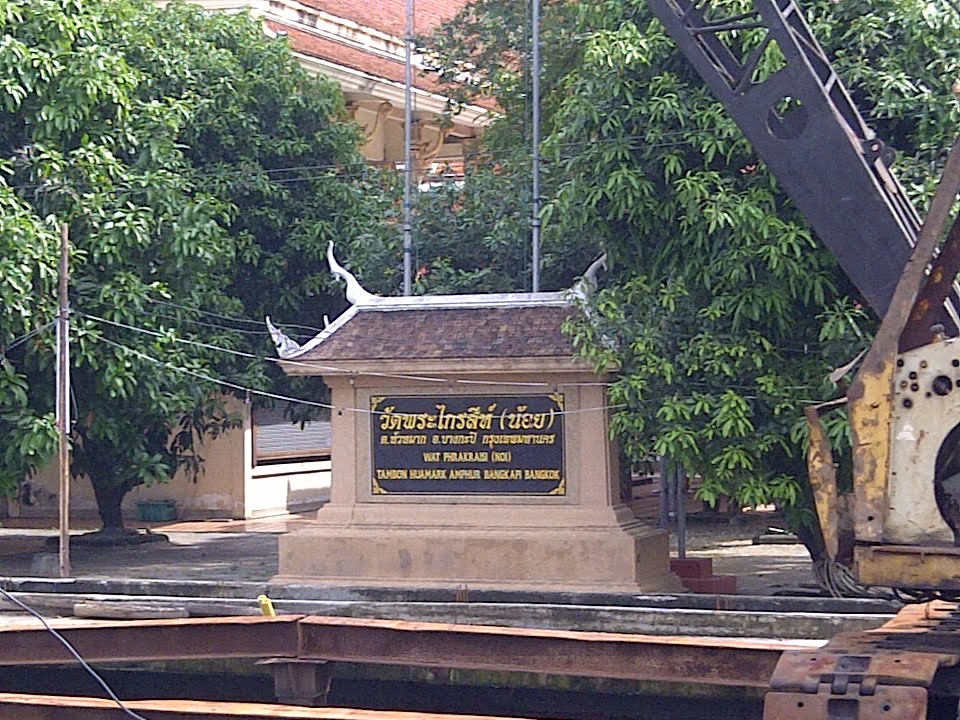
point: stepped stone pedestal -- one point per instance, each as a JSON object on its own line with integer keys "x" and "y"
{"x": 502, "y": 476}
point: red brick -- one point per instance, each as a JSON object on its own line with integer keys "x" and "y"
{"x": 716, "y": 585}
{"x": 692, "y": 567}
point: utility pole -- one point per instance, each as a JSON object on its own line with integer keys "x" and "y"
{"x": 535, "y": 215}
{"x": 63, "y": 400}
{"x": 408, "y": 156}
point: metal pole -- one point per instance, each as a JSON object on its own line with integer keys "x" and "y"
{"x": 664, "y": 493}
{"x": 535, "y": 219}
{"x": 63, "y": 400}
{"x": 408, "y": 156}
{"x": 681, "y": 512}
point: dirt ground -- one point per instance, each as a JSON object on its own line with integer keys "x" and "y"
{"x": 766, "y": 568}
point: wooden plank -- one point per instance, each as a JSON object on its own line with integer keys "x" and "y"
{"x": 54, "y": 707}
{"x": 125, "y": 610}
{"x": 582, "y": 635}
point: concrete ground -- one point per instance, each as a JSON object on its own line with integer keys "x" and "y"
{"x": 238, "y": 551}
{"x": 761, "y": 569}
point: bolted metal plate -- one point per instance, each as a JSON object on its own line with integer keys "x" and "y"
{"x": 805, "y": 671}
{"x": 887, "y": 703}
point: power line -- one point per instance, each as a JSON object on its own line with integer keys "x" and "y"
{"x": 215, "y": 326}
{"x": 795, "y": 346}
{"x": 287, "y": 398}
{"x": 331, "y": 368}
{"x": 23, "y": 338}
{"x": 397, "y": 376}
{"x": 232, "y": 318}
{"x": 328, "y": 406}
{"x": 73, "y": 651}
{"x": 191, "y": 173}
{"x": 804, "y": 347}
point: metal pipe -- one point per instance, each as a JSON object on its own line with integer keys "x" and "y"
{"x": 408, "y": 155}
{"x": 535, "y": 219}
{"x": 681, "y": 512}
{"x": 664, "y": 494}
{"x": 63, "y": 400}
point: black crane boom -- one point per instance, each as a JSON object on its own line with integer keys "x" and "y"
{"x": 805, "y": 127}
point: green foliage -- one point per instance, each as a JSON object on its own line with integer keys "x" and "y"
{"x": 473, "y": 236}
{"x": 197, "y": 166}
{"x": 723, "y": 314}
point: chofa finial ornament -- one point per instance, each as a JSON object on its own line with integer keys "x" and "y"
{"x": 286, "y": 346}
{"x": 356, "y": 295}
{"x": 587, "y": 284}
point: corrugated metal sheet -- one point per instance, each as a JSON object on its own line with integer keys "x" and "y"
{"x": 276, "y": 438}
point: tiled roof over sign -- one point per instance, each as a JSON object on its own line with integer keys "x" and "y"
{"x": 448, "y": 333}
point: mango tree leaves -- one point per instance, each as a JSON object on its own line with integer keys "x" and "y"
{"x": 724, "y": 313}
{"x": 189, "y": 154}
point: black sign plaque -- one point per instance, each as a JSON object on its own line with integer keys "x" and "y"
{"x": 467, "y": 445}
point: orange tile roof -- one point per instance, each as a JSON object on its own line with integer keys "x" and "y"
{"x": 390, "y": 15}
{"x": 352, "y": 57}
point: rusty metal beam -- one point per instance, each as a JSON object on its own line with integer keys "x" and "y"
{"x": 928, "y": 307}
{"x": 803, "y": 123}
{"x": 870, "y": 394}
{"x": 138, "y": 640}
{"x": 734, "y": 662}
{"x": 711, "y": 661}
{"x": 823, "y": 478}
{"x": 53, "y": 707}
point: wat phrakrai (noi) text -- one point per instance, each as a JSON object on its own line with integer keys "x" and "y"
{"x": 468, "y": 445}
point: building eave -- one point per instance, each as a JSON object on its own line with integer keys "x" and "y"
{"x": 427, "y": 303}
{"x": 377, "y": 43}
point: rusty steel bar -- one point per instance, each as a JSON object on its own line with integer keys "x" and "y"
{"x": 928, "y": 307}
{"x": 823, "y": 478}
{"x": 138, "y": 640}
{"x": 710, "y": 661}
{"x": 734, "y": 662}
{"x": 53, "y": 707}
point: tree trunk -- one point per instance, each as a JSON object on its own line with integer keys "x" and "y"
{"x": 109, "y": 497}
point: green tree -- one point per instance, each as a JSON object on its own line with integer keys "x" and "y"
{"x": 198, "y": 167}
{"x": 722, "y": 310}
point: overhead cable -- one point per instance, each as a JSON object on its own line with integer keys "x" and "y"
{"x": 402, "y": 376}
{"x": 73, "y": 651}
{"x": 333, "y": 368}
{"x": 317, "y": 172}
{"x": 26, "y": 336}
{"x": 287, "y": 398}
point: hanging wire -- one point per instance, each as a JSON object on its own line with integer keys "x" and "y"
{"x": 73, "y": 651}
{"x": 287, "y": 398}
{"x": 804, "y": 347}
{"x": 23, "y": 338}
{"x": 405, "y": 376}
{"x": 839, "y": 581}
{"x": 233, "y": 318}
{"x": 333, "y": 368}
{"x": 320, "y": 171}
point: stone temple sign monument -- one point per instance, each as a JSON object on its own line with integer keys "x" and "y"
{"x": 470, "y": 447}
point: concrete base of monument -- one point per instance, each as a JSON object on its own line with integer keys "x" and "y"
{"x": 624, "y": 559}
